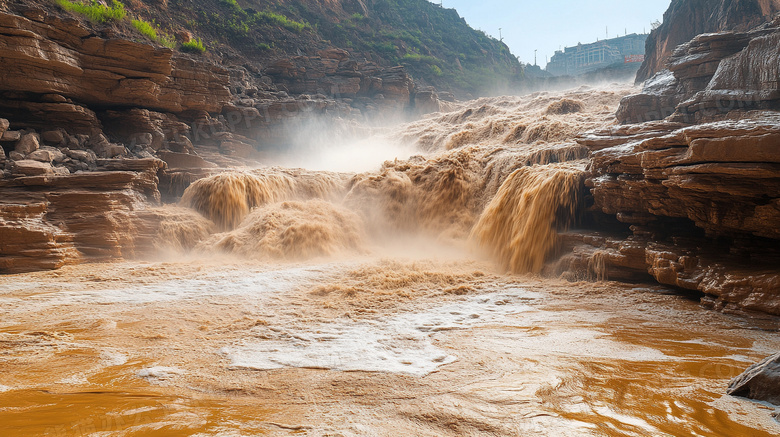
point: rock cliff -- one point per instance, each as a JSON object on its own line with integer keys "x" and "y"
{"x": 697, "y": 187}
{"x": 686, "y": 19}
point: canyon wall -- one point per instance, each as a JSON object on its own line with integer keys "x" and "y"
{"x": 686, "y": 19}
{"x": 694, "y": 174}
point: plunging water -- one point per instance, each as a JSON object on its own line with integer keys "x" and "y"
{"x": 392, "y": 302}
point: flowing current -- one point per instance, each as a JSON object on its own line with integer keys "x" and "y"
{"x": 399, "y": 301}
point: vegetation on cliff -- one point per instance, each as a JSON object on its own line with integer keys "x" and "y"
{"x": 435, "y": 44}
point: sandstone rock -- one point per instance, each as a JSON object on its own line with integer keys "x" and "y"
{"x": 28, "y": 143}
{"x": 11, "y": 136}
{"x": 760, "y": 381}
{"x": 87, "y": 156}
{"x": 42, "y": 156}
{"x": 50, "y": 220}
{"x": 134, "y": 127}
{"x": 61, "y": 171}
{"x": 184, "y": 160}
{"x": 699, "y": 189}
{"x": 30, "y": 242}
{"x": 706, "y": 80}
{"x": 28, "y": 167}
{"x": 15, "y": 156}
{"x": 687, "y": 18}
{"x": 53, "y": 137}
{"x": 426, "y": 101}
{"x": 4, "y": 124}
{"x": 60, "y": 56}
{"x": 337, "y": 54}
{"x": 237, "y": 149}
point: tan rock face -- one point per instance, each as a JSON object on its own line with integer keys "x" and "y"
{"x": 687, "y": 18}
{"x": 47, "y": 220}
{"x": 55, "y": 56}
{"x": 710, "y": 76}
{"x": 28, "y": 143}
{"x": 699, "y": 189}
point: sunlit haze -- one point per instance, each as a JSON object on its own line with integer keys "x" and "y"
{"x": 548, "y": 26}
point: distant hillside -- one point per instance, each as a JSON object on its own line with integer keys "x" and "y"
{"x": 435, "y": 44}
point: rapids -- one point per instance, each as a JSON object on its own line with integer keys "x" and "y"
{"x": 397, "y": 301}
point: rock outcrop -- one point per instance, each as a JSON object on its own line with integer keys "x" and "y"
{"x": 58, "y": 72}
{"x": 49, "y": 220}
{"x": 710, "y": 76}
{"x": 686, "y": 19}
{"x": 697, "y": 188}
{"x": 760, "y": 381}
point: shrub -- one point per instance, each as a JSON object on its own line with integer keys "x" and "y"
{"x": 167, "y": 40}
{"x": 193, "y": 46}
{"x": 94, "y": 11}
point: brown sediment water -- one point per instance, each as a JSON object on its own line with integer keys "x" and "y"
{"x": 319, "y": 303}
{"x": 364, "y": 347}
{"x": 520, "y": 225}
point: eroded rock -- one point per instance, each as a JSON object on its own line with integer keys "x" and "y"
{"x": 760, "y": 381}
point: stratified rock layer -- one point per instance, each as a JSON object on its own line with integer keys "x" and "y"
{"x": 56, "y": 67}
{"x": 699, "y": 191}
{"x": 47, "y": 221}
{"x": 686, "y": 19}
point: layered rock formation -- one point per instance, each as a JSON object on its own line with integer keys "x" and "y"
{"x": 686, "y": 19}
{"x": 49, "y": 220}
{"x": 58, "y": 72}
{"x": 699, "y": 191}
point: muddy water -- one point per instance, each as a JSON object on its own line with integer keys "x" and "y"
{"x": 364, "y": 347}
{"x": 316, "y": 303}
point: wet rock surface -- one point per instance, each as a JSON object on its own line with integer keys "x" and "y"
{"x": 760, "y": 381}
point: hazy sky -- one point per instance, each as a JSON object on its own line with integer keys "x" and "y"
{"x": 548, "y": 25}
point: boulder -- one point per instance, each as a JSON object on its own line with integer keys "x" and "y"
{"x": 4, "y": 124}
{"x": 28, "y": 143}
{"x": 11, "y": 136}
{"x": 87, "y": 156}
{"x": 27, "y": 167}
{"x": 41, "y": 156}
{"x": 760, "y": 382}
{"x": 53, "y": 137}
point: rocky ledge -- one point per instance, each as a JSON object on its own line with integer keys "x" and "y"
{"x": 692, "y": 176}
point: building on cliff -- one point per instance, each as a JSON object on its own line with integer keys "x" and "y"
{"x": 587, "y": 58}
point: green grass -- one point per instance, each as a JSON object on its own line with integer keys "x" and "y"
{"x": 146, "y": 28}
{"x": 150, "y": 31}
{"x": 281, "y": 20}
{"x": 193, "y": 46}
{"x": 95, "y": 11}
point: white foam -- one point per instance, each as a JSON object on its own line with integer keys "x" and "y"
{"x": 111, "y": 358}
{"x": 399, "y": 344}
{"x": 159, "y": 372}
{"x": 216, "y": 284}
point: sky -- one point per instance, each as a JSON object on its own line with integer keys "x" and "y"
{"x": 549, "y": 25}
